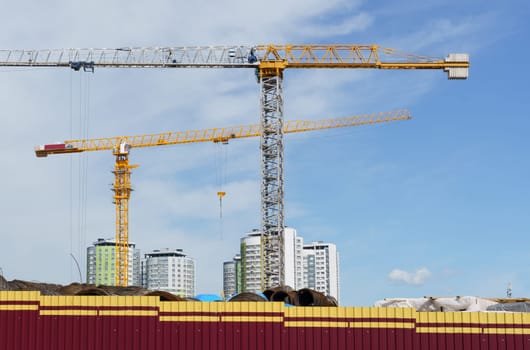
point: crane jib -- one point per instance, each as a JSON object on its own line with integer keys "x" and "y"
{"x": 258, "y": 56}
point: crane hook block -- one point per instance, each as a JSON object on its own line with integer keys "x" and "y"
{"x": 77, "y": 65}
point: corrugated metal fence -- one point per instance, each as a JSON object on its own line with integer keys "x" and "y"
{"x": 31, "y": 321}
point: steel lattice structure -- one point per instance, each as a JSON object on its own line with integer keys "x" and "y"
{"x": 270, "y": 60}
{"x": 272, "y": 184}
{"x": 122, "y": 193}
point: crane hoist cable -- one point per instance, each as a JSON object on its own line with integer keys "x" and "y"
{"x": 71, "y": 173}
{"x": 79, "y": 105}
{"x": 221, "y": 176}
{"x": 84, "y": 115}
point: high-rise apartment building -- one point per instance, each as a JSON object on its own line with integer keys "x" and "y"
{"x": 251, "y": 260}
{"x": 169, "y": 270}
{"x": 294, "y": 259}
{"x": 232, "y": 276}
{"x": 314, "y": 265}
{"x": 101, "y": 263}
{"x": 321, "y": 268}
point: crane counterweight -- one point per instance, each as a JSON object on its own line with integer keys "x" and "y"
{"x": 55, "y": 148}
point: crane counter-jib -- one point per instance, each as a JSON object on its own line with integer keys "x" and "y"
{"x": 55, "y": 148}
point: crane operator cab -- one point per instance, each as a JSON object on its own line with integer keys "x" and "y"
{"x": 123, "y": 148}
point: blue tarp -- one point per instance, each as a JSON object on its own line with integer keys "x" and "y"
{"x": 208, "y": 297}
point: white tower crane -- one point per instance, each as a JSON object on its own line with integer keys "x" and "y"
{"x": 270, "y": 61}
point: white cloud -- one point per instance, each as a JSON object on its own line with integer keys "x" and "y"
{"x": 441, "y": 35}
{"x": 355, "y": 23}
{"x": 162, "y": 22}
{"x": 417, "y": 278}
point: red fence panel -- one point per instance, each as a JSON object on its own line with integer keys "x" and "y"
{"x": 29, "y": 321}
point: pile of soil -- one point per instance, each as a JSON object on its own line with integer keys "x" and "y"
{"x": 302, "y": 297}
{"x": 71, "y": 289}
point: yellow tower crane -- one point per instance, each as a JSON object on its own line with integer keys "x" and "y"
{"x": 121, "y": 146}
{"x": 269, "y": 61}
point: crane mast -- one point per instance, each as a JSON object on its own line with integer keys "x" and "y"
{"x": 270, "y": 61}
{"x": 122, "y": 193}
{"x": 272, "y": 181}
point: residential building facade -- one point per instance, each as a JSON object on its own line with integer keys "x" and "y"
{"x": 169, "y": 270}
{"x": 250, "y": 251}
{"x": 321, "y": 268}
{"x": 232, "y": 276}
{"x": 101, "y": 263}
{"x": 314, "y": 265}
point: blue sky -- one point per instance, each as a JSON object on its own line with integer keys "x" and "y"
{"x": 437, "y": 205}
